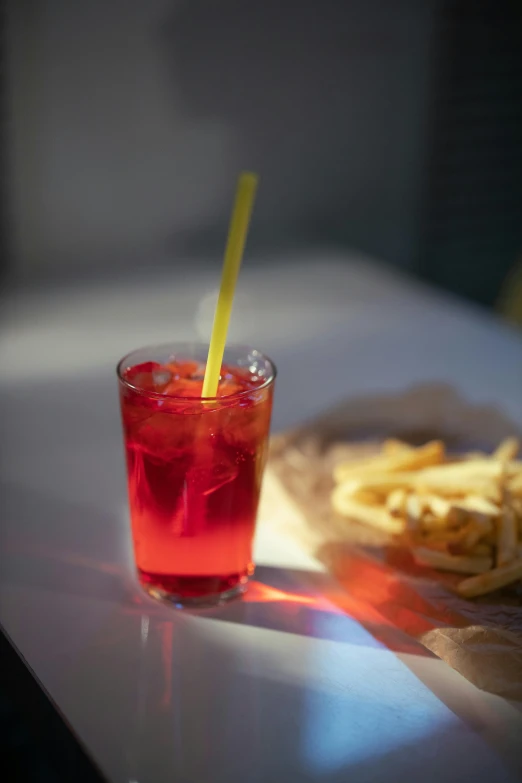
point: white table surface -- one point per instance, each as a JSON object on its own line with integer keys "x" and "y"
{"x": 282, "y": 686}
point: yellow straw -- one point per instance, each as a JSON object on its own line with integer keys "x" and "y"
{"x": 237, "y": 234}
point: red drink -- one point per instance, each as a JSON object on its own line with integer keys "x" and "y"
{"x": 194, "y": 469}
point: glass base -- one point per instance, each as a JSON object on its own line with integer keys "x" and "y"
{"x": 196, "y": 590}
{"x": 194, "y": 602}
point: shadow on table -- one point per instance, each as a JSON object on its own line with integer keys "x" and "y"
{"x": 75, "y": 550}
{"x": 311, "y": 604}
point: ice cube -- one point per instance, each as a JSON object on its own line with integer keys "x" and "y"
{"x": 208, "y": 478}
{"x": 161, "y": 376}
{"x": 163, "y": 436}
{"x": 229, "y": 386}
{"x": 201, "y": 481}
{"x": 182, "y": 369}
{"x": 198, "y": 373}
{"x": 141, "y": 376}
{"x": 184, "y": 388}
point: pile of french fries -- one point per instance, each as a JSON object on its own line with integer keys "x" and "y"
{"x": 461, "y": 514}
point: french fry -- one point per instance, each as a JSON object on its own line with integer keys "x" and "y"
{"x": 515, "y": 485}
{"x": 481, "y": 550}
{"x": 506, "y": 537}
{"x": 516, "y": 505}
{"x": 472, "y": 507}
{"x": 450, "y": 537}
{"x": 507, "y": 450}
{"x": 453, "y": 486}
{"x": 491, "y": 580}
{"x": 382, "y": 483}
{"x": 465, "y": 564}
{"x": 518, "y": 516}
{"x": 395, "y": 446}
{"x": 457, "y": 515}
{"x": 480, "y": 505}
{"x": 439, "y": 507}
{"x": 424, "y": 482}
{"x": 461, "y": 527}
{"x": 396, "y": 503}
{"x": 369, "y": 498}
{"x": 376, "y": 517}
{"x": 414, "y": 511}
{"x": 477, "y": 468}
{"x": 402, "y": 460}
{"x": 432, "y": 524}
{"x": 490, "y": 539}
{"x": 460, "y": 514}
{"x": 472, "y": 533}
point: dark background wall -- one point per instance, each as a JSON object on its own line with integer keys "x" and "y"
{"x": 129, "y": 120}
{"x": 471, "y": 233}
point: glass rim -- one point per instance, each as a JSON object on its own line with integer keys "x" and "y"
{"x": 192, "y": 345}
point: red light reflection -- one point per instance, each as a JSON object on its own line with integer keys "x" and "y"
{"x": 389, "y": 592}
{"x": 361, "y": 606}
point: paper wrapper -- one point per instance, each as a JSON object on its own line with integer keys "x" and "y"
{"x": 480, "y": 638}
